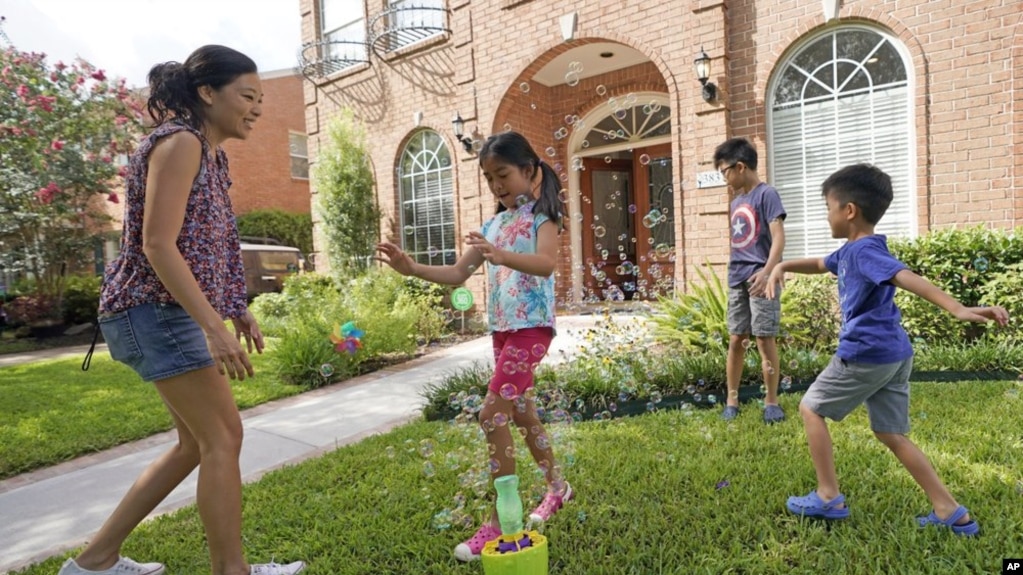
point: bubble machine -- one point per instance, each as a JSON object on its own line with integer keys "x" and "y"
{"x": 516, "y": 551}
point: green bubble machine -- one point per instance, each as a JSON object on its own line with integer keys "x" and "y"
{"x": 516, "y": 551}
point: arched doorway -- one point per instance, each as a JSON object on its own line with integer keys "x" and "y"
{"x": 622, "y": 168}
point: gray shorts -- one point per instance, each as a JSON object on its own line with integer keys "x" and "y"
{"x": 758, "y": 316}
{"x": 843, "y": 386}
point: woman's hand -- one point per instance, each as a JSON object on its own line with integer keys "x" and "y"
{"x": 492, "y": 254}
{"x": 227, "y": 352}
{"x": 247, "y": 327}
{"x": 394, "y": 257}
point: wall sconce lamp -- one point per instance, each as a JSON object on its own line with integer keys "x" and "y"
{"x": 702, "y": 65}
{"x": 458, "y": 127}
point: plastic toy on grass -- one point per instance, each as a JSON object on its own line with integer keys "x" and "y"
{"x": 515, "y": 552}
{"x": 347, "y": 338}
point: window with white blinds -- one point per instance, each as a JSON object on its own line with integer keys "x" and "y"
{"x": 343, "y": 29}
{"x": 843, "y": 98}
{"x": 426, "y": 188}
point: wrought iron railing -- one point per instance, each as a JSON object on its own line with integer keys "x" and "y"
{"x": 404, "y": 24}
{"x": 325, "y": 57}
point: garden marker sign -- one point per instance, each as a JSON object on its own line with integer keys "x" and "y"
{"x": 461, "y": 299}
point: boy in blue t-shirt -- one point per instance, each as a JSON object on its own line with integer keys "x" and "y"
{"x": 757, "y": 239}
{"x": 874, "y": 357}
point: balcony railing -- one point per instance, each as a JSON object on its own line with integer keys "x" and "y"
{"x": 404, "y": 25}
{"x": 325, "y": 57}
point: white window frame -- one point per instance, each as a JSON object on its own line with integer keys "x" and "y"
{"x": 342, "y": 31}
{"x": 806, "y": 228}
{"x": 434, "y": 165}
{"x": 293, "y": 155}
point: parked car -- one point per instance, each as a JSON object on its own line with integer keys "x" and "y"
{"x": 267, "y": 265}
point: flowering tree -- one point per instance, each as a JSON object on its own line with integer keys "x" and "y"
{"x": 62, "y": 129}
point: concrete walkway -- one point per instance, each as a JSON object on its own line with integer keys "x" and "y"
{"x": 49, "y": 511}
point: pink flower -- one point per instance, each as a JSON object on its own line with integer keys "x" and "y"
{"x": 16, "y": 130}
{"x": 60, "y": 65}
{"x": 57, "y": 145}
{"x": 53, "y": 76}
{"x": 7, "y": 70}
{"x": 46, "y": 195}
{"x": 121, "y": 120}
{"x": 22, "y": 91}
{"x": 99, "y": 75}
{"x": 122, "y": 171}
{"x": 113, "y": 199}
{"x": 107, "y": 159}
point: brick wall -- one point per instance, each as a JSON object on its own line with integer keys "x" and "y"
{"x": 966, "y": 71}
{"x": 261, "y": 165}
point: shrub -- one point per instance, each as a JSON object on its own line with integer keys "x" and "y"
{"x": 1005, "y": 288}
{"x": 81, "y": 299}
{"x": 290, "y": 229}
{"x": 29, "y": 309}
{"x": 960, "y": 262}
{"x": 697, "y": 320}
{"x": 814, "y": 300}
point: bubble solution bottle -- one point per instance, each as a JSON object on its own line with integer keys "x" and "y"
{"x": 515, "y": 552}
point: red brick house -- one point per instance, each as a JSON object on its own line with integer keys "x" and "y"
{"x": 607, "y": 92}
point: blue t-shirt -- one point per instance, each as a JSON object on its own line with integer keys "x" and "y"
{"x": 517, "y": 300}
{"x": 750, "y": 215}
{"x": 871, "y": 329}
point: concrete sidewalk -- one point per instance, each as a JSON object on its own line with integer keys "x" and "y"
{"x": 49, "y": 511}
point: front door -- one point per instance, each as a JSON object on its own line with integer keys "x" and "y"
{"x": 628, "y": 225}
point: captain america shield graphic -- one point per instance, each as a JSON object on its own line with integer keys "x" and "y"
{"x": 744, "y": 226}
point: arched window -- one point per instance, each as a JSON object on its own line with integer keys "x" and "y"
{"x": 426, "y": 189}
{"x": 844, "y": 97}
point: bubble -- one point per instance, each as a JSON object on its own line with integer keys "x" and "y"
{"x": 524, "y": 87}
{"x": 586, "y": 144}
{"x": 551, "y": 151}
{"x": 601, "y": 90}
{"x": 712, "y": 399}
{"x": 522, "y": 200}
{"x": 620, "y": 114}
{"x": 426, "y": 448}
{"x": 655, "y": 396}
{"x": 509, "y": 391}
{"x": 793, "y": 364}
{"x": 428, "y": 469}
{"x": 697, "y": 397}
{"x": 607, "y": 159}
{"x": 662, "y": 250}
{"x": 644, "y": 159}
{"x": 575, "y": 66}
{"x": 572, "y": 79}
{"x": 442, "y": 520}
{"x": 326, "y": 370}
{"x": 563, "y": 196}
{"x": 691, "y": 389}
{"x": 623, "y": 396}
{"x": 389, "y": 452}
{"x": 410, "y": 446}
{"x": 507, "y": 127}
{"x": 632, "y": 210}
{"x": 494, "y": 466}
{"x": 432, "y": 251}
{"x": 409, "y": 230}
{"x": 539, "y": 350}
{"x": 786, "y": 383}
{"x": 543, "y": 442}
{"x": 746, "y": 344}
{"x": 650, "y": 221}
{"x": 599, "y": 231}
{"x": 612, "y": 407}
{"x": 651, "y": 406}
{"x": 980, "y": 264}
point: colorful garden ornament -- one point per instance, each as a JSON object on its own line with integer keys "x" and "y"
{"x": 347, "y": 338}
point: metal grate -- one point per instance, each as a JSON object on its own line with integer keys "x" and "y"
{"x": 401, "y": 26}
{"x": 321, "y": 59}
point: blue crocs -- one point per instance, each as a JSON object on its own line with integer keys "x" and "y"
{"x": 730, "y": 412}
{"x": 812, "y": 505}
{"x": 968, "y": 529}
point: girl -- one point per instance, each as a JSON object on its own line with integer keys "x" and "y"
{"x": 521, "y": 245}
{"x": 165, "y": 297}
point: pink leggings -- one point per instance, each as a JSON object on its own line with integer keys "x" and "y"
{"x": 516, "y": 355}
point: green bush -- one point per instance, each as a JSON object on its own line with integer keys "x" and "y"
{"x": 290, "y": 229}
{"x": 697, "y": 322}
{"x": 960, "y": 262}
{"x": 1005, "y": 288}
{"x": 396, "y": 315}
{"x": 81, "y": 299}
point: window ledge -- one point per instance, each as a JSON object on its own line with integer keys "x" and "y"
{"x": 349, "y": 71}
{"x": 428, "y": 42}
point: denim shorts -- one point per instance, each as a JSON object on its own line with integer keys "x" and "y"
{"x": 844, "y": 385}
{"x": 758, "y": 316}
{"x": 157, "y": 340}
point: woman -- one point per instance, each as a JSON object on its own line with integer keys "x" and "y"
{"x": 164, "y": 301}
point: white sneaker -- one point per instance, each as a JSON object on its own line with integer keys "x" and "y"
{"x": 124, "y": 566}
{"x": 275, "y": 569}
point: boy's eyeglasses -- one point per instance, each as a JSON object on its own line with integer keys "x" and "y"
{"x": 724, "y": 171}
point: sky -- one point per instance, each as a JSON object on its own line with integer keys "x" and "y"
{"x": 127, "y": 37}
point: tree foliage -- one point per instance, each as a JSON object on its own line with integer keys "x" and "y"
{"x": 288, "y": 228}
{"x": 62, "y": 128}
{"x": 344, "y": 182}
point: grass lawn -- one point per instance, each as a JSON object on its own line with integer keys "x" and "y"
{"x": 651, "y": 497}
{"x": 52, "y": 411}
